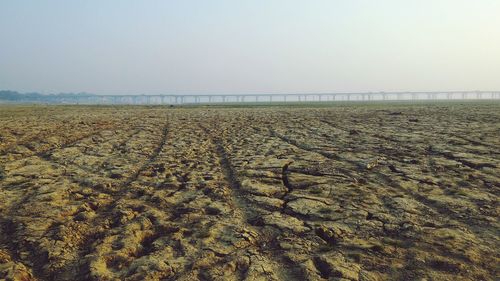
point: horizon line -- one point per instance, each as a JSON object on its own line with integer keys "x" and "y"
{"x": 262, "y": 93}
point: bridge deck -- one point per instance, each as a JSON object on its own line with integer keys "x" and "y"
{"x": 311, "y": 97}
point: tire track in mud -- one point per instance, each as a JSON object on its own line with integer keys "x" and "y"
{"x": 286, "y": 269}
{"x": 31, "y": 138}
{"x": 102, "y": 214}
{"x": 447, "y": 155}
{"x": 400, "y": 144}
{"x": 492, "y": 148}
{"x": 50, "y": 159}
{"x": 482, "y": 233}
{"x": 151, "y": 159}
{"x": 44, "y": 154}
{"x": 7, "y": 221}
{"x": 429, "y": 151}
{"x": 122, "y": 192}
{"x": 47, "y": 156}
{"x": 9, "y": 239}
{"x": 7, "y": 244}
{"x": 52, "y": 132}
{"x": 432, "y": 204}
{"x": 308, "y": 148}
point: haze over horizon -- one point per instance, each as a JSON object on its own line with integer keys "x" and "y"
{"x": 222, "y": 46}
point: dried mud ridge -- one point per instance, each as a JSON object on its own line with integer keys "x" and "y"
{"x": 344, "y": 193}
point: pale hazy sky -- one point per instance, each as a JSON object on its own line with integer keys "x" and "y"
{"x": 248, "y": 46}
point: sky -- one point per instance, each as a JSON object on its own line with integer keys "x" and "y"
{"x": 248, "y": 46}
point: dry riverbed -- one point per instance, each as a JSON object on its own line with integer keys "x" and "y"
{"x": 353, "y": 192}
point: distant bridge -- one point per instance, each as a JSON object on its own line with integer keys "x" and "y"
{"x": 253, "y": 98}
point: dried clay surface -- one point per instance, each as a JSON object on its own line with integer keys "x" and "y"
{"x": 347, "y": 192}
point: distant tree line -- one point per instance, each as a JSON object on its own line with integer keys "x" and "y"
{"x": 15, "y": 97}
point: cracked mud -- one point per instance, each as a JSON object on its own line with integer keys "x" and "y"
{"x": 379, "y": 192}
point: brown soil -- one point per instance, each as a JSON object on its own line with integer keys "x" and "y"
{"x": 381, "y": 192}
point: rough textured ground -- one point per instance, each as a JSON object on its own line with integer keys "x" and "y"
{"x": 379, "y": 192}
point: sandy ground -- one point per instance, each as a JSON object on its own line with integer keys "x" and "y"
{"x": 379, "y": 192}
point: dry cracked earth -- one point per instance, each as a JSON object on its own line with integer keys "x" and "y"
{"x": 367, "y": 192}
